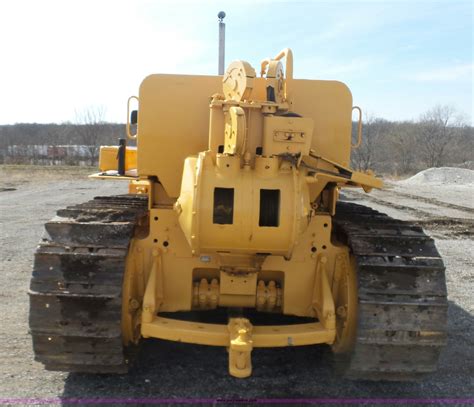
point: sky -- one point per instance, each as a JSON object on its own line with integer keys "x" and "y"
{"x": 399, "y": 58}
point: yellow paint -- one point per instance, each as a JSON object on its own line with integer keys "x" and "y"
{"x": 108, "y": 158}
{"x": 211, "y": 151}
{"x": 270, "y": 336}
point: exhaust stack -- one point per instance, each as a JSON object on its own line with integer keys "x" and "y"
{"x": 221, "y": 17}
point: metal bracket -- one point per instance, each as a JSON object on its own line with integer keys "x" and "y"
{"x": 153, "y": 297}
{"x": 341, "y": 270}
{"x": 323, "y": 302}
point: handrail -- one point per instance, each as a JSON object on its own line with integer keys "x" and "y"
{"x": 127, "y": 129}
{"x": 359, "y": 128}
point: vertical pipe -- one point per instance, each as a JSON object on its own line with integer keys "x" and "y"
{"x": 221, "y": 16}
{"x": 121, "y": 156}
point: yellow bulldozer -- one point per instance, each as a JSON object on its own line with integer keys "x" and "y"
{"x": 233, "y": 208}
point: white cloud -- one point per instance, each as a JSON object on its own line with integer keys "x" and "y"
{"x": 449, "y": 73}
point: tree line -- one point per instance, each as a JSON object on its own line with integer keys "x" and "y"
{"x": 440, "y": 137}
{"x": 87, "y": 133}
{"x": 18, "y": 138}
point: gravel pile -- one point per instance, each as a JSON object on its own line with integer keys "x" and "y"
{"x": 443, "y": 176}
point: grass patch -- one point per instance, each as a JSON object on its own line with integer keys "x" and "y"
{"x": 20, "y": 174}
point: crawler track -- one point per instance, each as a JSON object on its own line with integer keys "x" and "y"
{"x": 402, "y": 304}
{"x": 76, "y": 287}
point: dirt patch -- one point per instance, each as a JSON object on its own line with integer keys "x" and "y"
{"x": 12, "y": 175}
{"x": 437, "y": 202}
{"x": 449, "y": 227}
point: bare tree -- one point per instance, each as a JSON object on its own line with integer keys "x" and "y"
{"x": 437, "y": 128}
{"x": 365, "y": 156}
{"x": 462, "y": 151}
{"x": 402, "y": 146}
{"x": 90, "y": 126}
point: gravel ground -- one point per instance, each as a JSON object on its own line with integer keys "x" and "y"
{"x": 175, "y": 370}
